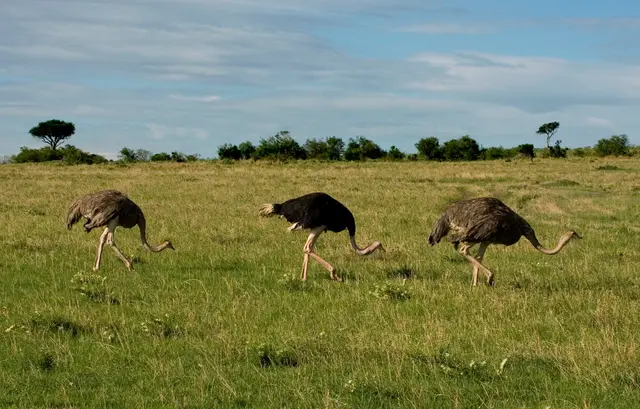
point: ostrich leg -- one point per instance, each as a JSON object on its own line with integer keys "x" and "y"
{"x": 116, "y": 250}
{"x": 464, "y": 250}
{"x": 313, "y": 236}
{"x": 480, "y": 257}
{"x": 103, "y": 238}
{"x": 309, "y": 252}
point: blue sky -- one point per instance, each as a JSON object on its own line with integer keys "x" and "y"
{"x": 190, "y": 75}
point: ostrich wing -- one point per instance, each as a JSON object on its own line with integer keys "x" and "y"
{"x": 101, "y": 210}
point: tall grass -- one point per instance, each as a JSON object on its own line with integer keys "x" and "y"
{"x": 225, "y": 322}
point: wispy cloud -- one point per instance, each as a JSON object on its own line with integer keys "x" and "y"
{"x": 609, "y": 23}
{"x": 202, "y": 98}
{"x": 168, "y": 75}
{"x": 448, "y": 28}
{"x": 160, "y": 132}
{"x": 601, "y": 122}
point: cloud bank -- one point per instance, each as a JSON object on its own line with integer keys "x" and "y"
{"x": 190, "y": 75}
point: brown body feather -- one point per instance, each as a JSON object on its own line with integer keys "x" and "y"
{"x": 485, "y": 221}
{"x": 110, "y": 208}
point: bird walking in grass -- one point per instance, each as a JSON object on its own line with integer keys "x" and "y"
{"x": 485, "y": 221}
{"x": 318, "y": 212}
{"x": 111, "y": 208}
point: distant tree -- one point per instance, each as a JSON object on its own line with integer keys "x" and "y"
{"x": 526, "y": 150}
{"x": 330, "y": 148}
{"x": 336, "y": 147}
{"x": 193, "y": 157}
{"x": 143, "y": 155}
{"x": 44, "y": 154}
{"x": 127, "y": 155}
{"x": 246, "y": 150}
{"x": 464, "y": 148}
{"x": 317, "y": 149}
{"x": 548, "y": 129}
{"x": 160, "y": 157}
{"x": 74, "y": 156}
{"x": 395, "y": 153}
{"x": 53, "y": 132}
{"x": 557, "y": 151}
{"x": 68, "y": 154}
{"x": 617, "y": 145}
{"x": 362, "y": 148}
{"x": 493, "y": 153}
{"x": 430, "y": 148}
{"x": 178, "y": 157}
{"x": 280, "y": 146}
{"x": 229, "y": 151}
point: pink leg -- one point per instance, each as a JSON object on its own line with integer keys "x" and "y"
{"x": 464, "y": 250}
{"x": 116, "y": 250}
{"x": 309, "y": 252}
{"x": 103, "y": 238}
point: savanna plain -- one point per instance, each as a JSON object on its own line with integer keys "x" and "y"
{"x": 224, "y": 321}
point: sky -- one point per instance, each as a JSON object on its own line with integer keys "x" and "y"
{"x": 190, "y": 75}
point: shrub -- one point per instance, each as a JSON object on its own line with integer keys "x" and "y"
{"x": 617, "y": 145}
{"x": 68, "y": 154}
{"x": 280, "y": 146}
{"x": 362, "y": 148}
{"x": 526, "y": 150}
{"x": 160, "y": 157}
{"x": 74, "y": 156}
{"x": 36, "y": 155}
{"x": 228, "y": 151}
{"x": 331, "y": 148}
{"x": 395, "y": 153}
{"x": 430, "y": 148}
{"x": 464, "y": 148}
{"x": 494, "y": 153}
{"x": 247, "y": 150}
{"x": 557, "y": 151}
{"x": 178, "y": 157}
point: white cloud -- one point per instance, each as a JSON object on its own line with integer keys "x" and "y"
{"x": 160, "y": 132}
{"x": 123, "y": 72}
{"x": 202, "y": 98}
{"x": 601, "y": 122}
{"x": 448, "y": 28}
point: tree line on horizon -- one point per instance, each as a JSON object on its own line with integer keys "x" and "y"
{"x": 282, "y": 146}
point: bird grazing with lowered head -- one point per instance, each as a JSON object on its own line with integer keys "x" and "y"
{"x": 318, "y": 212}
{"x": 111, "y": 208}
{"x": 485, "y": 221}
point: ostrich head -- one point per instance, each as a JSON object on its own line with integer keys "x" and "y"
{"x": 573, "y": 235}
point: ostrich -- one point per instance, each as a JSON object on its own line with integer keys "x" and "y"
{"x": 318, "y": 212}
{"x": 486, "y": 220}
{"x": 111, "y": 208}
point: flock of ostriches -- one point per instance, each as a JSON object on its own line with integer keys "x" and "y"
{"x": 482, "y": 220}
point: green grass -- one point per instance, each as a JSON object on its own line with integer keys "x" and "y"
{"x": 224, "y": 321}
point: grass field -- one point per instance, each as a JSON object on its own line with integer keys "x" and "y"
{"x": 224, "y": 321}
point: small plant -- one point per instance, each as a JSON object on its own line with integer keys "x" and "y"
{"x": 268, "y": 356}
{"x": 451, "y": 366}
{"x": 46, "y": 362}
{"x": 93, "y": 287}
{"x": 608, "y": 167}
{"x": 404, "y": 272}
{"x": 293, "y": 283}
{"x": 162, "y": 327}
{"x": 391, "y": 292}
{"x": 56, "y": 324}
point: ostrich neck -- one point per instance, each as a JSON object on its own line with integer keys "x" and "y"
{"x": 361, "y": 251}
{"x": 142, "y": 224}
{"x": 534, "y": 241}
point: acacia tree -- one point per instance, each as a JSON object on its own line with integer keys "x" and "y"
{"x": 548, "y": 129}
{"x": 53, "y": 132}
